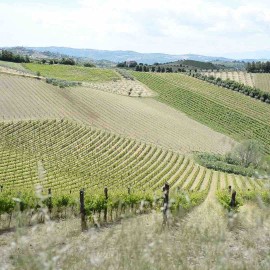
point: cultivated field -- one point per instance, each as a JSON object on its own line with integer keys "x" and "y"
{"x": 66, "y": 157}
{"x": 73, "y": 73}
{"x": 126, "y": 87}
{"x": 258, "y": 80}
{"x": 238, "y": 76}
{"x": 262, "y": 81}
{"x": 225, "y": 111}
{"x": 141, "y": 118}
{"x": 86, "y": 138}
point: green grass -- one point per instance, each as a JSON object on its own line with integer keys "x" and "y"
{"x": 199, "y": 64}
{"x": 225, "y": 111}
{"x": 73, "y": 73}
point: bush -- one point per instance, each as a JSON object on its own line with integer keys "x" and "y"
{"x": 89, "y": 65}
{"x": 67, "y": 61}
{"x": 223, "y": 163}
{"x": 62, "y": 83}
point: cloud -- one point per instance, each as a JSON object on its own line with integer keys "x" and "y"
{"x": 172, "y": 26}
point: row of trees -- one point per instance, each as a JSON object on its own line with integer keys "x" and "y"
{"x": 258, "y": 67}
{"x": 236, "y": 86}
{"x": 63, "y": 61}
{"x": 130, "y": 64}
{"x": 146, "y": 68}
{"x": 11, "y": 57}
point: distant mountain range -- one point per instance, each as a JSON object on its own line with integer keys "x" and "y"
{"x": 148, "y": 58}
{"x": 121, "y": 56}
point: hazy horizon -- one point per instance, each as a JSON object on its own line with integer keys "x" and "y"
{"x": 232, "y": 29}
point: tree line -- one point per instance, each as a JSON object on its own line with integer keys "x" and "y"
{"x": 63, "y": 61}
{"x": 258, "y": 67}
{"x": 236, "y": 86}
{"x": 11, "y": 57}
{"x": 146, "y": 68}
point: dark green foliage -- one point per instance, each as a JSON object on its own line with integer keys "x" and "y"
{"x": 223, "y": 163}
{"x": 89, "y": 65}
{"x": 258, "y": 67}
{"x": 122, "y": 64}
{"x": 236, "y": 86}
{"x": 129, "y": 64}
{"x": 7, "y": 204}
{"x": 199, "y": 64}
{"x": 67, "y": 61}
{"x": 11, "y": 57}
{"x": 141, "y": 68}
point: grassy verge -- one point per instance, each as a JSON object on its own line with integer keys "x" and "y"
{"x": 73, "y": 73}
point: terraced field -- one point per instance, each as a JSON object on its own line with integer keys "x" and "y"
{"x": 67, "y": 156}
{"x": 225, "y": 111}
{"x": 258, "y": 80}
{"x": 262, "y": 81}
{"x": 238, "y": 76}
{"x": 73, "y": 73}
{"x": 140, "y": 118}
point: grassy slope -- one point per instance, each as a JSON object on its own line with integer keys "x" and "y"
{"x": 140, "y": 118}
{"x": 74, "y": 156}
{"x": 199, "y": 64}
{"x": 207, "y": 238}
{"x": 225, "y": 111}
{"x": 73, "y": 73}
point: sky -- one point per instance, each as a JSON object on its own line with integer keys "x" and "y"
{"x": 207, "y": 27}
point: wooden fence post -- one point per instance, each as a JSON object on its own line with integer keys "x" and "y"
{"x": 50, "y": 200}
{"x": 165, "y": 189}
{"x": 82, "y": 210}
{"x": 106, "y": 200}
{"x": 233, "y": 200}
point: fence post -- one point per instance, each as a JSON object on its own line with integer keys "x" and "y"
{"x": 82, "y": 210}
{"x": 165, "y": 189}
{"x": 106, "y": 200}
{"x": 50, "y": 200}
{"x": 233, "y": 200}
